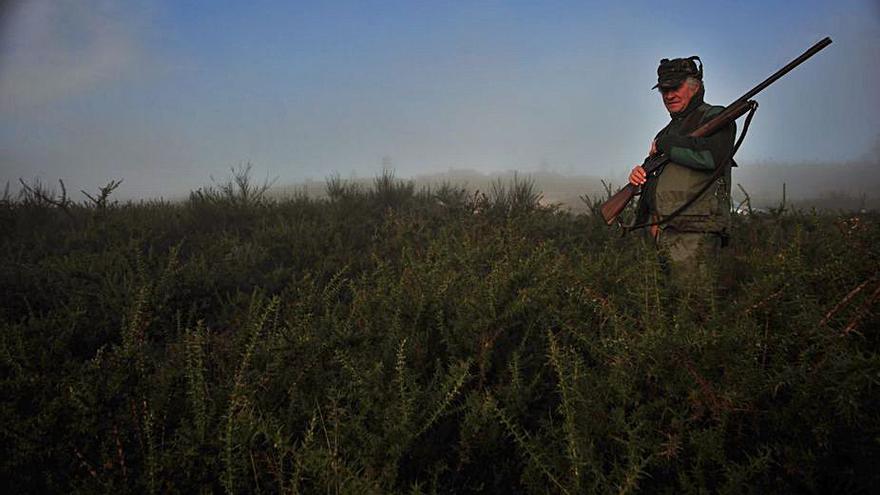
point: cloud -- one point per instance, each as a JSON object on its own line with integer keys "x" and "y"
{"x": 55, "y": 49}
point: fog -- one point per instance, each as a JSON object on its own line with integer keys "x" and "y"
{"x": 165, "y": 95}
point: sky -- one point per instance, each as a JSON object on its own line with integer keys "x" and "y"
{"x": 166, "y": 95}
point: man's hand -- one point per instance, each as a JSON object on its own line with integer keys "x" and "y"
{"x": 638, "y": 176}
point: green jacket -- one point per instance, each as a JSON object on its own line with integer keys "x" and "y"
{"x": 692, "y": 162}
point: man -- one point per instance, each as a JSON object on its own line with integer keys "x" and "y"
{"x": 702, "y": 227}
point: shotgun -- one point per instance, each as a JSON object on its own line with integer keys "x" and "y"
{"x": 653, "y": 164}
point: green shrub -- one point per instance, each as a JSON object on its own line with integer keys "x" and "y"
{"x": 389, "y": 340}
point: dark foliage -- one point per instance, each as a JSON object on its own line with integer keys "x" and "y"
{"x": 395, "y": 340}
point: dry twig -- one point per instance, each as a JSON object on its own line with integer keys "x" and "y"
{"x": 85, "y": 463}
{"x": 846, "y": 299}
{"x": 765, "y": 301}
{"x": 863, "y": 310}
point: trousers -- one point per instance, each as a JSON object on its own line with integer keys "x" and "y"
{"x": 684, "y": 255}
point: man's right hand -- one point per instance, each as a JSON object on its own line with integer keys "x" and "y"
{"x": 638, "y": 176}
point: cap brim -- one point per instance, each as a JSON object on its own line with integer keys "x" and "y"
{"x": 669, "y": 84}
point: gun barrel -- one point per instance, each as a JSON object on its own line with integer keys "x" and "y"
{"x": 785, "y": 70}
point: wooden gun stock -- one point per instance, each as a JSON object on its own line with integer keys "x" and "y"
{"x": 617, "y": 203}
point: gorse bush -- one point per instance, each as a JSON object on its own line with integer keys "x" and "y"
{"x": 238, "y": 191}
{"x": 394, "y": 340}
{"x": 518, "y": 196}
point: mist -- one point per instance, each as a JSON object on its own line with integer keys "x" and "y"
{"x": 166, "y": 96}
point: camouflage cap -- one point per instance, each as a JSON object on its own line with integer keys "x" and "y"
{"x": 671, "y": 73}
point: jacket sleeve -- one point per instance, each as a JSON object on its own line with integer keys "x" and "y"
{"x": 699, "y": 153}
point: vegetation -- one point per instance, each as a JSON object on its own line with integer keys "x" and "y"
{"x": 390, "y": 339}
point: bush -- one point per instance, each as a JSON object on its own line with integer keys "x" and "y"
{"x": 388, "y": 340}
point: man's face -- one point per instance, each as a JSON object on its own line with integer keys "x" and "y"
{"x": 677, "y": 99}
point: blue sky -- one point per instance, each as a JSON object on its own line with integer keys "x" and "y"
{"x": 166, "y": 94}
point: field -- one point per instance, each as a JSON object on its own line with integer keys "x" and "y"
{"x": 391, "y": 339}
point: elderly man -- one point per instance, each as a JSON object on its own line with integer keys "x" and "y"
{"x": 701, "y": 228}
